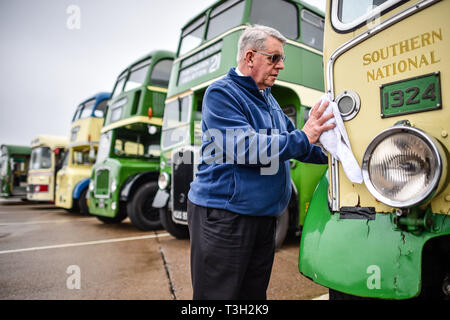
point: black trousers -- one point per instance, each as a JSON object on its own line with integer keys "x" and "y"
{"x": 231, "y": 254}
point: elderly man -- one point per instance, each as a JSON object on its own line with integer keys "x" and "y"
{"x": 233, "y": 203}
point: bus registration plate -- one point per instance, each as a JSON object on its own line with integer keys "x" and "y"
{"x": 412, "y": 95}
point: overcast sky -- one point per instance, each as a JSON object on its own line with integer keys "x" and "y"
{"x": 50, "y": 60}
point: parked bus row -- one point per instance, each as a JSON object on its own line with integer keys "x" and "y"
{"x": 132, "y": 153}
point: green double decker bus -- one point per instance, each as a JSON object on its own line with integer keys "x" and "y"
{"x": 124, "y": 177}
{"x": 207, "y": 49}
{"x": 14, "y": 164}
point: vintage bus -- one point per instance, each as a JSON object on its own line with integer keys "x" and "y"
{"x": 72, "y": 180}
{"x": 124, "y": 177}
{"x": 14, "y": 163}
{"x": 207, "y": 49}
{"x": 47, "y": 153}
{"x": 388, "y": 70}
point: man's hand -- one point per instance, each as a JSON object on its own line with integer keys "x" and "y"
{"x": 314, "y": 127}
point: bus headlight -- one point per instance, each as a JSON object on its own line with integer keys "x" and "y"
{"x": 163, "y": 180}
{"x": 114, "y": 185}
{"x": 91, "y": 185}
{"x": 403, "y": 166}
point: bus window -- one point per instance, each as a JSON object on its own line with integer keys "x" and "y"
{"x": 137, "y": 75}
{"x": 103, "y": 146}
{"x": 349, "y": 14}
{"x": 81, "y": 157}
{"x": 175, "y": 121}
{"x": 119, "y": 84}
{"x": 161, "y": 73}
{"x": 41, "y": 158}
{"x": 312, "y": 29}
{"x": 285, "y": 20}
{"x": 101, "y": 109}
{"x": 77, "y": 114}
{"x": 192, "y": 35}
{"x": 224, "y": 17}
{"x": 87, "y": 110}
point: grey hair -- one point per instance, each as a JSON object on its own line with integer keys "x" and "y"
{"x": 255, "y": 37}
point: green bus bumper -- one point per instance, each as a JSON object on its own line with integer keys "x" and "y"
{"x": 368, "y": 258}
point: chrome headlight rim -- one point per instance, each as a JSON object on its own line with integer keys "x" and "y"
{"x": 163, "y": 180}
{"x": 428, "y": 192}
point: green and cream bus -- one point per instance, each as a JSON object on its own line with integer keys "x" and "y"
{"x": 14, "y": 163}
{"x": 72, "y": 180}
{"x": 47, "y": 153}
{"x": 125, "y": 174}
{"x": 388, "y": 70}
{"x": 206, "y": 51}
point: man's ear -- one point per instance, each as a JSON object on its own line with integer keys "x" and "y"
{"x": 249, "y": 58}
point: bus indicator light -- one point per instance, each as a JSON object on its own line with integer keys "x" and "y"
{"x": 150, "y": 112}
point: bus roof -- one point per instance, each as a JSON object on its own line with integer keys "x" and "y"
{"x": 49, "y": 141}
{"x": 303, "y": 3}
{"x": 155, "y": 54}
{"x": 99, "y": 96}
{"x": 14, "y": 149}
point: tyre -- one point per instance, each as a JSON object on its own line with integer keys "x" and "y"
{"x": 140, "y": 210}
{"x": 179, "y": 231}
{"x": 281, "y": 229}
{"x": 82, "y": 203}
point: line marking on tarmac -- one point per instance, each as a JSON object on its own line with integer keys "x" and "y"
{"x": 322, "y": 297}
{"x": 87, "y": 243}
{"x": 43, "y": 221}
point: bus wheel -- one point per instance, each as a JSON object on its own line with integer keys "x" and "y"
{"x": 82, "y": 203}
{"x": 281, "y": 228}
{"x": 177, "y": 230}
{"x": 140, "y": 210}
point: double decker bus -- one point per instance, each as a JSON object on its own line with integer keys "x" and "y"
{"x": 14, "y": 163}
{"x": 388, "y": 69}
{"x": 206, "y": 51}
{"x": 72, "y": 180}
{"x": 124, "y": 176}
{"x": 47, "y": 153}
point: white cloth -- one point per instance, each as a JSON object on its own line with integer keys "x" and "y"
{"x": 336, "y": 142}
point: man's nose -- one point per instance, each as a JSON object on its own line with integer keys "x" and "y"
{"x": 280, "y": 65}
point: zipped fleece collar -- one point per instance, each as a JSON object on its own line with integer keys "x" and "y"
{"x": 249, "y": 84}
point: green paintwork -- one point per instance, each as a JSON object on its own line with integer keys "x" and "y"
{"x": 18, "y": 154}
{"x": 121, "y": 168}
{"x": 346, "y": 254}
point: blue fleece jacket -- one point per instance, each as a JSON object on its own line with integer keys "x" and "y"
{"x": 247, "y": 142}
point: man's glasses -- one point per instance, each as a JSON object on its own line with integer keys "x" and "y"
{"x": 274, "y": 57}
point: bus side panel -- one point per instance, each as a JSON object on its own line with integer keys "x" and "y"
{"x": 306, "y": 176}
{"x": 368, "y": 258}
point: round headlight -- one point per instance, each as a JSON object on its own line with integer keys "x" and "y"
{"x": 402, "y": 166}
{"x": 163, "y": 180}
{"x": 114, "y": 185}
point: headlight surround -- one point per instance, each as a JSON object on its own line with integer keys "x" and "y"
{"x": 402, "y": 166}
{"x": 113, "y": 185}
{"x": 163, "y": 180}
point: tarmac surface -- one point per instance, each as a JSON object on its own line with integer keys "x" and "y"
{"x": 49, "y": 253}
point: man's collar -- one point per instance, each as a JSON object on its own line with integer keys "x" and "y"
{"x": 251, "y": 84}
